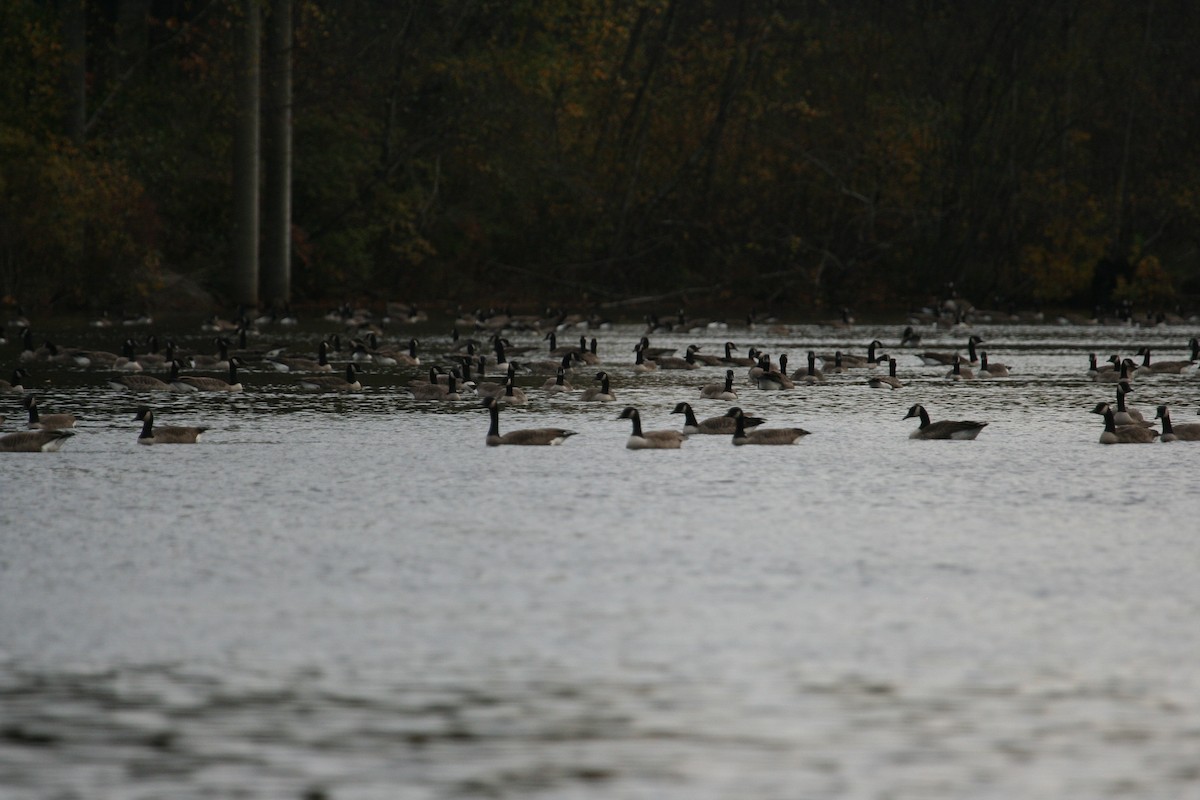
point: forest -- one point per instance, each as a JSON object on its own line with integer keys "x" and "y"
{"x": 794, "y": 154}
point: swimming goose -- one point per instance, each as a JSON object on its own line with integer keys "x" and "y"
{"x": 1094, "y": 368}
{"x": 202, "y": 383}
{"x": 603, "y": 394}
{"x": 40, "y": 441}
{"x": 435, "y": 389}
{"x": 45, "y": 422}
{"x": 992, "y": 370}
{"x": 587, "y": 351}
{"x": 654, "y": 353}
{"x": 946, "y": 359}
{"x": 1170, "y": 367}
{"x": 524, "y": 436}
{"x": 14, "y": 386}
{"x": 555, "y": 350}
{"x": 165, "y": 434}
{"x": 494, "y": 389}
{"x": 723, "y": 425}
{"x": 299, "y": 364}
{"x": 768, "y": 436}
{"x": 558, "y": 384}
{"x": 945, "y": 429}
{"x": 810, "y": 374}
{"x": 720, "y": 391}
{"x": 851, "y": 361}
{"x": 398, "y": 358}
{"x": 1184, "y": 432}
{"x": 218, "y": 361}
{"x": 772, "y": 379}
{"x": 1123, "y": 371}
{"x": 640, "y": 364}
{"x": 1122, "y": 434}
{"x": 512, "y": 395}
{"x": 650, "y": 440}
{"x": 889, "y": 381}
{"x": 137, "y": 382}
{"x": 737, "y": 361}
{"x": 127, "y": 361}
{"x": 334, "y": 383}
{"x": 1127, "y": 415}
{"x": 910, "y": 338}
{"x": 960, "y": 373}
{"x": 674, "y": 362}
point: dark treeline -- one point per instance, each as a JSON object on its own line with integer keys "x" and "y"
{"x": 862, "y": 152}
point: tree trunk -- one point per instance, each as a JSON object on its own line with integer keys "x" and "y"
{"x": 246, "y": 158}
{"x": 277, "y": 157}
{"x": 132, "y": 33}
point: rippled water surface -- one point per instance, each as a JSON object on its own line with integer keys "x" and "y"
{"x": 353, "y": 597}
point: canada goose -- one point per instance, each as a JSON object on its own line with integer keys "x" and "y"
{"x": 655, "y": 353}
{"x": 525, "y": 436}
{"x": 946, "y": 359}
{"x": 1122, "y": 434}
{"x": 493, "y": 389}
{"x": 558, "y": 384}
{"x": 1170, "y": 367}
{"x": 723, "y": 425}
{"x": 737, "y": 361}
{"x": 602, "y": 394}
{"x": 945, "y": 429}
{"x": 838, "y": 367}
{"x": 640, "y": 364}
{"x": 555, "y": 350}
{"x": 910, "y": 338}
{"x": 512, "y": 395}
{"x": 851, "y": 361}
{"x": 587, "y": 351}
{"x": 1123, "y": 371}
{"x": 720, "y": 391}
{"x": 674, "y": 362}
{"x": 761, "y": 435}
{"x": 1127, "y": 415}
{"x": 127, "y": 361}
{"x": 201, "y": 383}
{"x": 434, "y": 389}
{"x": 960, "y": 373}
{"x": 889, "y": 381}
{"x": 165, "y": 434}
{"x": 218, "y": 361}
{"x": 14, "y": 386}
{"x": 334, "y": 383}
{"x": 45, "y": 422}
{"x": 650, "y": 440}
{"x": 809, "y": 374}
{"x": 138, "y": 382}
{"x": 298, "y": 364}
{"x": 772, "y": 379}
{"x": 40, "y": 441}
{"x": 1184, "y": 432}
{"x": 1095, "y": 369}
{"x": 993, "y": 370}
{"x": 394, "y": 358}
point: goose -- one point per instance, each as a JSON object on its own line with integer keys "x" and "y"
{"x": 838, "y": 367}
{"x": 1184, "y": 432}
{"x": 1127, "y": 415}
{"x": 334, "y": 383}
{"x": 299, "y": 364}
{"x": 771, "y": 379}
{"x": 889, "y": 381}
{"x": 707, "y": 360}
{"x": 165, "y": 434}
{"x": 960, "y": 373}
{"x": 434, "y": 389}
{"x": 674, "y": 362}
{"x": 127, "y": 361}
{"x": 720, "y": 391}
{"x": 856, "y": 362}
{"x": 396, "y": 358}
{"x": 587, "y": 351}
{"x": 524, "y": 436}
{"x": 723, "y": 425}
{"x": 601, "y": 394}
{"x": 992, "y": 370}
{"x": 910, "y": 338}
{"x": 40, "y": 441}
{"x": 810, "y": 374}
{"x": 1170, "y": 367}
{"x": 944, "y": 429}
{"x": 1122, "y": 372}
{"x": 1095, "y": 369}
{"x": 558, "y": 384}
{"x": 1122, "y": 434}
{"x": 737, "y": 361}
{"x": 640, "y": 364}
{"x": 218, "y": 361}
{"x": 655, "y": 353}
{"x": 742, "y": 436}
{"x": 493, "y": 389}
{"x": 946, "y": 359}
{"x": 14, "y": 386}
{"x": 555, "y": 350}
{"x": 512, "y": 395}
{"x": 138, "y": 382}
{"x": 650, "y": 440}
{"x": 45, "y": 422}
{"x": 201, "y": 383}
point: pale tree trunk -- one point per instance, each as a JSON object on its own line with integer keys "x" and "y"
{"x": 246, "y": 157}
{"x": 277, "y": 157}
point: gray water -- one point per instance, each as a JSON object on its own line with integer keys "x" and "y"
{"x": 354, "y": 598}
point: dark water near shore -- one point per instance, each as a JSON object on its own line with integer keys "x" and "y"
{"x": 352, "y": 597}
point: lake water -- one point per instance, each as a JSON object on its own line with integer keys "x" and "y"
{"x": 354, "y": 598}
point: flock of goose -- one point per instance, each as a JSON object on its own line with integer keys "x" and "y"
{"x": 485, "y": 370}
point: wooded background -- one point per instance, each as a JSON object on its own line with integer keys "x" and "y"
{"x": 807, "y": 153}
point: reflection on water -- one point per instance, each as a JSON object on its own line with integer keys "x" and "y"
{"x": 352, "y": 597}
